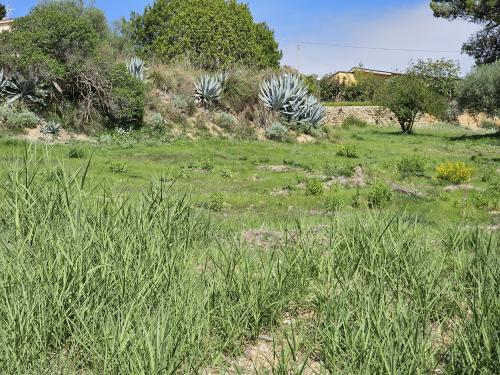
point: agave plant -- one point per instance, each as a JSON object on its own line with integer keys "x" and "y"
{"x": 288, "y": 95}
{"x": 24, "y": 88}
{"x": 282, "y": 94}
{"x": 51, "y": 128}
{"x": 3, "y": 81}
{"x": 309, "y": 111}
{"x": 137, "y": 68}
{"x": 208, "y": 90}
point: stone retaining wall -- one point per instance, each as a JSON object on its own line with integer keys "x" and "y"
{"x": 370, "y": 114}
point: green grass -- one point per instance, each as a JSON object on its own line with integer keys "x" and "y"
{"x": 131, "y": 273}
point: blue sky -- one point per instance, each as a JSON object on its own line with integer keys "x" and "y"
{"x": 406, "y": 24}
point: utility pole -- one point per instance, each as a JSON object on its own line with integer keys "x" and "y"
{"x": 298, "y": 58}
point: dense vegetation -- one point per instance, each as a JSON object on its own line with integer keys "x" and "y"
{"x": 211, "y": 34}
{"x": 115, "y": 258}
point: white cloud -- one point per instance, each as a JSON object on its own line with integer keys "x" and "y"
{"x": 407, "y": 28}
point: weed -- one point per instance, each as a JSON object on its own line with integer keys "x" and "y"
{"x": 352, "y": 121}
{"x": 411, "y": 166}
{"x": 75, "y": 153}
{"x": 117, "y": 167}
{"x": 315, "y": 186}
{"x": 333, "y": 202}
{"x": 348, "y": 150}
{"x": 455, "y": 173}
{"x": 379, "y": 195}
{"x": 216, "y": 202}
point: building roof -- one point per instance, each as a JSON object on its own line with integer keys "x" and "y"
{"x": 372, "y": 71}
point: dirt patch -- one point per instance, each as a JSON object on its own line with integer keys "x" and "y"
{"x": 265, "y": 238}
{"x": 276, "y": 168}
{"x": 305, "y": 138}
{"x": 280, "y": 193}
{"x": 466, "y": 187}
{"x": 357, "y": 180}
{"x": 63, "y": 136}
{"x": 406, "y": 190}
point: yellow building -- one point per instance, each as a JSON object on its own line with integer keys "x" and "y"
{"x": 5, "y": 25}
{"x": 349, "y": 77}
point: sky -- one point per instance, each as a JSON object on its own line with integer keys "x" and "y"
{"x": 315, "y": 25}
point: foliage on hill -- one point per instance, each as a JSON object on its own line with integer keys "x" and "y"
{"x": 484, "y": 45}
{"x": 211, "y": 34}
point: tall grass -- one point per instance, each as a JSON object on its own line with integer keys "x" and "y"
{"x": 97, "y": 284}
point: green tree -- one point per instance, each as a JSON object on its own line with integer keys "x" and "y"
{"x": 484, "y": 46}
{"x": 440, "y": 75}
{"x": 210, "y": 33}
{"x": 53, "y": 40}
{"x": 3, "y": 11}
{"x": 479, "y": 91}
{"x": 407, "y": 96}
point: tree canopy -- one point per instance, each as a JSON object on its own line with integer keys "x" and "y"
{"x": 479, "y": 91}
{"x": 484, "y": 46}
{"x": 211, "y": 34}
{"x": 440, "y": 75}
{"x": 3, "y": 11}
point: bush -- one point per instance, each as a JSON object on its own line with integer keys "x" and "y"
{"x": 379, "y": 195}
{"x": 315, "y": 186}
{"x": 117, "y": 167}
{"x": 226, "y": 173}
{"x": 456, "y": 173}
{"x": 216, "y": 202}
{"x": 440, "y": 75}
{"x": 18, "y": 121}
{"x": 335, "y": 170}
{"x": 126, "y": 104}
{"x": 277, "y": 132}
{"x": 411, "y": 166}
{"x": 352, "y": 121}
{"x": 240, "y": 90}
{"x": 479, "y": 91}
{"x": 186, "y": 104}
{"x": 348, "y": 151}
{"x": 333, "y": 202}
{"x": 75, "y": 153}
{"x": 226, "y": 121}
{"x": 408, "y": 96}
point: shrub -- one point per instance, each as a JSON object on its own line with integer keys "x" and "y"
{"x": 117, "y": 167}
{"x": 75, "y": 153}
{"x": 379, "y": 195}
{"x": 407, "y": 97}
{"x": 479, "y": 91}
{"x": 126, "y": 104}
{"x": 226, "y": 173}
{"x": 19, "y": 120}
{"x": 411, "y": 166}
{"x": 186, "y": 104}
{"x": 348, "y": 150}
{"x": 456, "y": 173}
{"x": 333, "y": 202}
{"x": 335, "y": 170}
{"x": 216, "y": 202}
{"x": 226, "y": 121}
{"x": 207, "y": 165}
{"x": 315, "y": 186}
{"x": 277, "y": 132}
{"x": 489, "y": 125}
{"x": 352, "y": 121}
{"x": 240, "y": 90}
{"x": 157, "y": 123}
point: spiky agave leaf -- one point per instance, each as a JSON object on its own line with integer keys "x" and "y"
{"x": 25, "y": 88}
{"x": 309, "y": 111}
{"x": 137, "y": 68}
{"x": 208, "y": 89}
{"x": 51, "y": 128}
{"x": 282, "y": 94}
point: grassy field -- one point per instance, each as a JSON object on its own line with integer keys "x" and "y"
{"x": 214, "y": 256}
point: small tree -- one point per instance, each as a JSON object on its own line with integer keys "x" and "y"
{"x": 407, "y": 96}
{"x": 3, "y": 11}
{"x": 440, "y": 75}
{"x": 480, "y": 90}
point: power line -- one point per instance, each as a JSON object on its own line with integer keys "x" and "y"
{"x": 375, "y": 48}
